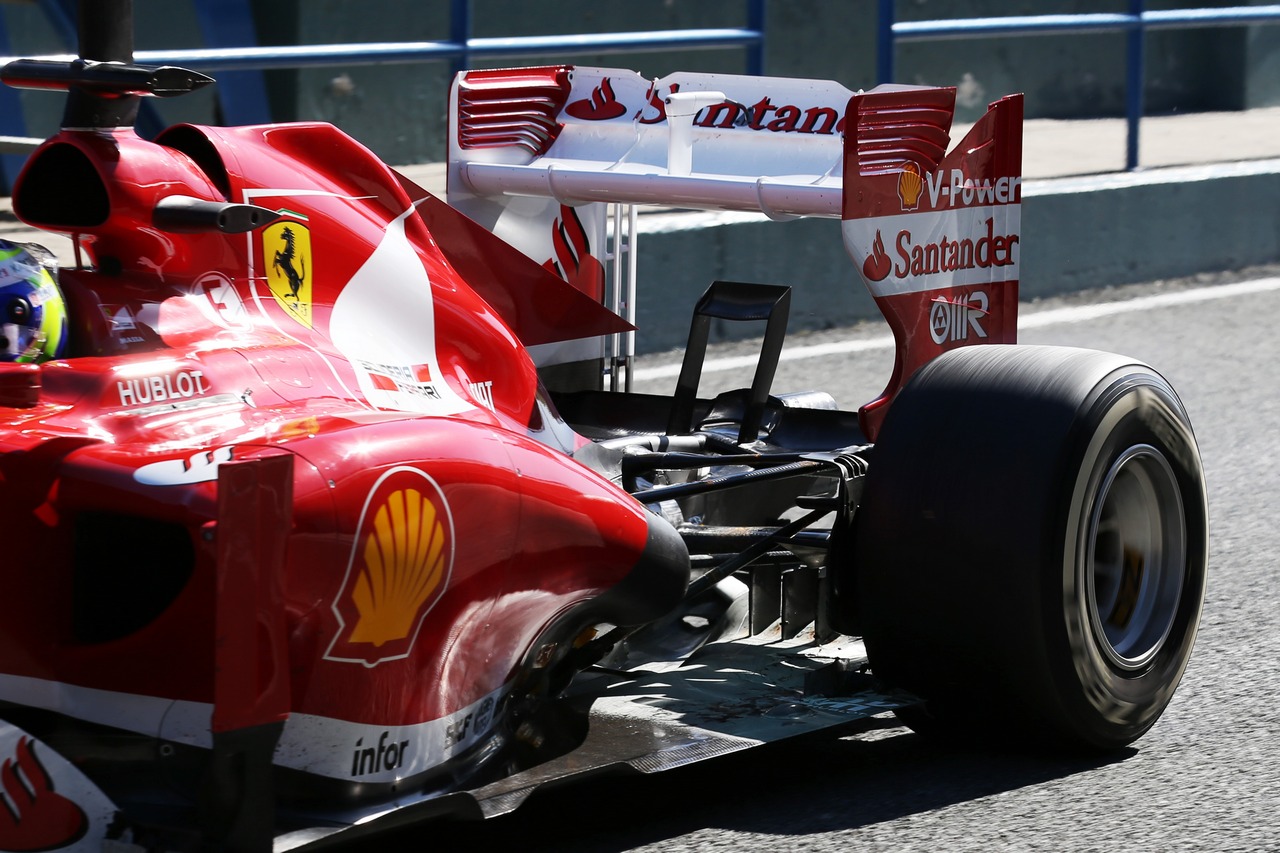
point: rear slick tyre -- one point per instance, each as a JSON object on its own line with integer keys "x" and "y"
{"x": 1032, "y": 544}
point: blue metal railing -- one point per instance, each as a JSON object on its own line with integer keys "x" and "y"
{"x": 1134, "y": 24}
{"x": 227, "y": 30}
{"x": 222, "y": 22}
{"x": 300, "y": 56}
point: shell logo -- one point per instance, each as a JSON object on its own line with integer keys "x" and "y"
{"x": 399, "y": 568}
{"x": 910, "y": 183}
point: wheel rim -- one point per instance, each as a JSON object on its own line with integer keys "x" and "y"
{"x": 1137, "y": 558}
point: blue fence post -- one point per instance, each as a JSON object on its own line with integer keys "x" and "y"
{"x": 884, "y": 43}
{"x": 12, "y": 121}
{"x": 460, "y": 33}
{"x": 241, "y": 94}
{"x": 61, "y": 15}
{"x": 1134, "y": 84}
{"x": 755, "y": 52}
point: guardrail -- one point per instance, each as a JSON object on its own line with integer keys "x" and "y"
{"x": 227, "y": 30}
{"x": 1135, "y": 24}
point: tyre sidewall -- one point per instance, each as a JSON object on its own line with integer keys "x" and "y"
{"x": 1100, "y": 703}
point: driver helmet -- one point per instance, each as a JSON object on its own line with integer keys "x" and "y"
{"x": 33, "y": 315}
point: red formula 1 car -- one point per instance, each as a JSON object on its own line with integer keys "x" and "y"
{"x": 318, "y": 516}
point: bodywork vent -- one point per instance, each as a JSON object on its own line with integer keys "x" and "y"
{"x": 61, "y": 188}
{"x": 126, "y": 572}
{"x": 512, "y": 108}
{"x": 912, "y": 125}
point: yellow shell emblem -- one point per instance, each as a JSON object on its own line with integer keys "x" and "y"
{"x": 909, "y": 185}
{"x": 400, "y": 565}
{"x": 404, "y": 563}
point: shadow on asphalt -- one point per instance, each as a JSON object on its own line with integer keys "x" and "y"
{"x": 821, "y": 783}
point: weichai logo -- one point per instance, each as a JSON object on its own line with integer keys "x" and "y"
{"x": 399, "y": 568}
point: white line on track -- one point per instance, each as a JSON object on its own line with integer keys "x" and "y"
{"x": 1037, "y": 320}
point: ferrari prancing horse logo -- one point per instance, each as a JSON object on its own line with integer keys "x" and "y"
{"x": 286, "y": 250}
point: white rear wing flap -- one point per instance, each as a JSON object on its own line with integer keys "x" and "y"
{"x": 705, "y": 141}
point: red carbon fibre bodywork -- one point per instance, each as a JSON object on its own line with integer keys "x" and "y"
{"x": 511, "y": 532}
{"x": 187, "y": 358}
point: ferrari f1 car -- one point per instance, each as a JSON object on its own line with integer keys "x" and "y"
{"x": 326, "y": 505}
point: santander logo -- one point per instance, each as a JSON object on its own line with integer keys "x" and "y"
{"x": 756, "y": 112}
{"x": 877, "y": 266}
{"x": 573, "y": 260}
{"x": 942, "y": 249}
{"x": 601, "y": 106}
{"x": 942, "y": 255}
{"x": 36, "y": 816}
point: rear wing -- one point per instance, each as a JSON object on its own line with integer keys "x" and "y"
{"x": 555, "y": 159}
{"x": 706, "y": 141}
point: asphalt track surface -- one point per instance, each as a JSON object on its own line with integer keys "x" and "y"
{"x": 1206, "y": 777}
